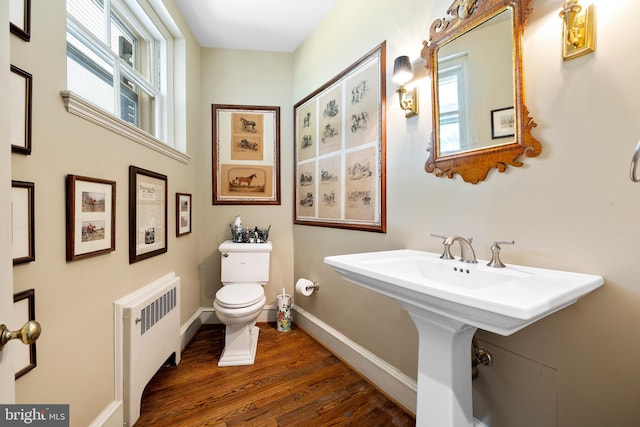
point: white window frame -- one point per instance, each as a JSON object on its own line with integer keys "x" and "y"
{"x": 457, "y": 65}
{"x": 153, "y": 16}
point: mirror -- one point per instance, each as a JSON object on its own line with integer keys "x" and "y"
{"x": 480, "y": 121}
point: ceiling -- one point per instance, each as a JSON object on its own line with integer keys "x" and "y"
{"x": 265, "y": 25}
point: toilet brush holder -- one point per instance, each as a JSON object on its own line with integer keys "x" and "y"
{"x": 283, "y": 321}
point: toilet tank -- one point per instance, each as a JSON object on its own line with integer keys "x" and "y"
{"x": 244, "y": 262}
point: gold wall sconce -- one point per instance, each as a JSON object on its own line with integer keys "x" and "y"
{"x": 578, "y": 30}
{"x": 402, "y": 73}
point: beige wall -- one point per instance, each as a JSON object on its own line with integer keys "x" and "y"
{"x": 74, "y": 299}
{"x": 573, "y": 208}
{"x": 240, "y": 77}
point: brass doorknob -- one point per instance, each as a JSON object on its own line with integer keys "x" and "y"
{"x": 28, "y": 334}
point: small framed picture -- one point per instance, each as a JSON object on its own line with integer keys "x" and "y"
{"x": 91, "y": 217}
{"x": 20, "y": 18}
{"x": 22, "y": 222}
{"x": 147, "y": 214}
{"x": 503, "y": 123}
{"x": 21, "y": 84}
{"x": 183, "y": 214}
{"x": 24, "y": 309}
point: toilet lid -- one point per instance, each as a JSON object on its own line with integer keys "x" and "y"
{"x": 239, "y": 295}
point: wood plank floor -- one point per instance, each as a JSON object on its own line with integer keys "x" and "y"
{"x": 294, "y": 382}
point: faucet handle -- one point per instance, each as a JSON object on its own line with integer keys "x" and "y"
{"x": 495, "y": 253}
{"x": 446, "y": 254}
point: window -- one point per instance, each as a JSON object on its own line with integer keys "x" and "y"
{"x": 117, "y": 56}
{"x": 451, "y": 104}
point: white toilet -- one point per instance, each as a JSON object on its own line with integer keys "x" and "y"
{"x": 244, "y": 271}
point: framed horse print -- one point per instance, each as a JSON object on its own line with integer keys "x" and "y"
{"x": 91, "y": 217}
{"x": 246, "y": 155}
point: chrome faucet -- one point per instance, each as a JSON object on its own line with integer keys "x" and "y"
{"x": 447, "y": 248}
{"x": 496, "y": 262}
{"x": 467, "y": 254}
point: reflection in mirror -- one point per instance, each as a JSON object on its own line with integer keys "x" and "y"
{"x": 480, "y": 121}
{"x": 464, "y": 80}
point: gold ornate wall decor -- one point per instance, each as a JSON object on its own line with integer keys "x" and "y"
{"x": 474, "y": 57}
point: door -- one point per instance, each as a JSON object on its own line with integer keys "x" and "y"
{"x": 7, "y": 374}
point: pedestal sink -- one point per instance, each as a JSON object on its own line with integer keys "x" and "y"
{"x": 448, "y": 301}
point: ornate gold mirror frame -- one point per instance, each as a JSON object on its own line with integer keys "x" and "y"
{"x": 474, "y": 165}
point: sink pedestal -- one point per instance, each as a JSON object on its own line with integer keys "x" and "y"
{"x": 444, "y": 370}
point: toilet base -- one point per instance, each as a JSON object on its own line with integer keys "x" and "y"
{"x": 240, "y": 344}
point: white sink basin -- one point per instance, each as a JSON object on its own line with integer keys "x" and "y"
{"x": 448, "y": 300}
{"x": 500, "y": 300}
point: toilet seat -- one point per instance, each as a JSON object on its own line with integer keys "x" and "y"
{"x": 239, "y": 296}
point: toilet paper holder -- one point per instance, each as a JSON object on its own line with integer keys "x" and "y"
{"x": 315, "y": 286}
{"x": 306, "y": 287}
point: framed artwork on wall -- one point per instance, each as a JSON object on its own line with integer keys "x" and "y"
{"x": 340, "y": 149}
{"x": 91, "y": 217}
{"x": 246, "y": 155}
{"x": 22, "y": 222}
{"x": 24, "y": 309}
{"x": 503, "y": 123}
{"x": 183, "y": 214}
{"x": 147, "y": 214}
{"x": 21, "y": 84}
{"x": 20, "y": 18}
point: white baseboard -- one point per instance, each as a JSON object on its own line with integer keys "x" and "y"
{"x": 190, "y": 327}
{"x": 399, "y": 387}
{"x": 112, "y": 416}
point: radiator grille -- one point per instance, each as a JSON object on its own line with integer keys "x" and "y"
{"x": 151, "y": 314}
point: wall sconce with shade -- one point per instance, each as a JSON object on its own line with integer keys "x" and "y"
{"x": 402, "y": 73}
{"x": 578, "y": 30}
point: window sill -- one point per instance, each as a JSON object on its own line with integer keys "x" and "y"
{"x": 88, "y": 111}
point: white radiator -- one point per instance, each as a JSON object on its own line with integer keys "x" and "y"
{"x": 147, "y": 333}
